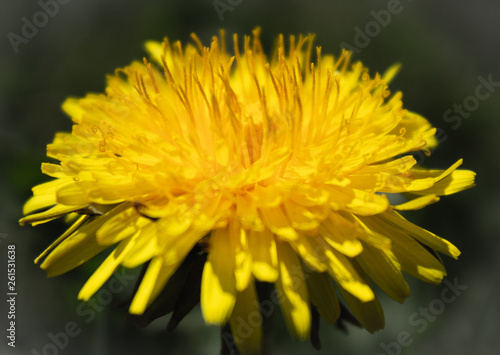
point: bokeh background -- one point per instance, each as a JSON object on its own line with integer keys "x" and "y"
{"x": 445, "y": 48}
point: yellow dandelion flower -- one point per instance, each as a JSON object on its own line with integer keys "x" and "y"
{"x": 271, "y": 170}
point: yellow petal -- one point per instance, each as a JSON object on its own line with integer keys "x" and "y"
{"x": 391, "y": 146}
{"x": 382, "y": 268}
{"x": 390, "y": 73}
{"x": 292, "y": 292}
{"x": 121, "y": 226}
{"x": 300, "y": 217}
{"x": 457, "y": 181}
{"x": 414, "y": 259}
{"x": 155, "y": 278}
{"x": 75, "y": 249}
{"x": 357, "y": 201}
{"x": 246, "y": 322}
{"x": 218, "y": 284}
{"x": 156, "y": 50}
{"x": 417, "y": 127}
{"x": 430, "y": 239}
{"x": 341, "y": 234}
{"x": 38, "y": 202}
{"x": 369, "y": 314}
{"x": 344, "y": 273}
{"x": 443, "y": 182}
{"x": 248, "y": 214}
{"x": 173, "y": 227}
{"x": 417, "y": 203}
{"x": 175, "y": 249}
{"x": 269, "y": 196}
{"x": 323, "y": 296}
{"x": 262, "y": 247}
{"x": 53, "y": 213}
{"x": 79, "y": 222}
{"x": 67, "y": 145}
{"x": 243, "y": 260}
{"x": 144, "y": 247}
{"x": 367, "y": 235}
{"x": 73, "y": 108}
{"x": 392, "y": 167}
{"x": 277, "y": 221}
{"x": 162, "y": 267}
{"x": 105, "y": 270}
{"x": 309, "y": 196}
{"x": 74, "y": 194}
{"x": 309, "y": 249}
{"x": 78, "y": 247}
{"x": 436, "y": 175}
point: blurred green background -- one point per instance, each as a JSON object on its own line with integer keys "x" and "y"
{"x": 446, "y": 47}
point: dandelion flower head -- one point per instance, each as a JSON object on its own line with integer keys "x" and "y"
{"x": 274, "y": 169}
